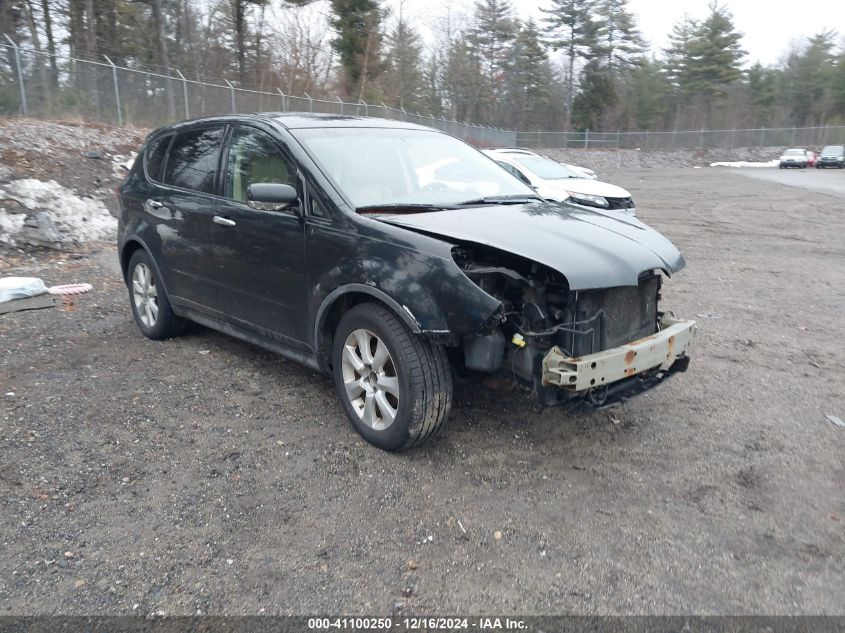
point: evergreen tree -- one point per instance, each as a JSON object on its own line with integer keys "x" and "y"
{"x": 404, "y": 82}
{"x": 838, "y": 90}
{"x": 808, "y": 78}
{"x": 492, "y": 34}
{"x": 762, "y": 93}
{"x": 464, "y": 84}
{"x": 715, "y": 55}
{"x": 571, "y": 27}
{"x": 597, "y": 96}
{"x": 357, "y": 24}
{"x": 678, "y": 56}
{"x": 647, "y": 95}
{"x": 621, "y": 42}
{"x": 529, "y": 81}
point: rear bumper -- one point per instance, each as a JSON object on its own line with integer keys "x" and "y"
{"x": 579, "y": 374}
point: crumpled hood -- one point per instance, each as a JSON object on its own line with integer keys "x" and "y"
{"x": 584, "y": 185}
{"x": 592, "y": 249}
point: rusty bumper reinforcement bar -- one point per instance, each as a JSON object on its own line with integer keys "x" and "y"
{"x": 585, "y": 372}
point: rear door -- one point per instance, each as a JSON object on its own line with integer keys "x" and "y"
{"x": 184, "y": 202}
{"x": 259, "y": 256}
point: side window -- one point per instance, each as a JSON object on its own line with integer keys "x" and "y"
{"x": 155, "y": 156}
{"x": 318, "y": 209}
{"x": 192, "y": 162}
{"x": 254, "y": 157}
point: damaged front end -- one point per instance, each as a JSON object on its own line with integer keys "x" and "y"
{"x": 591, "y": 348}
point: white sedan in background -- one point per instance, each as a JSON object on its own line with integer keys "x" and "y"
{"x": 582, "y": 171}
{"x": 555, "y": 181}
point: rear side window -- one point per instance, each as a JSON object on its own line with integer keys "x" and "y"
{"x": 192, "y": 161}
{"x": 155, "y": 156}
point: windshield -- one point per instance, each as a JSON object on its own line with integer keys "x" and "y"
{"x": 794, "y": 152}
{"x": 545, "y": 168}
{"x": 396, "y": 167}
{"x": 833, "y": 149}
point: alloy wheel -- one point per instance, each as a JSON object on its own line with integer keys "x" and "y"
{"x": 145, "y": 294}
{"x": 369, "y": 376}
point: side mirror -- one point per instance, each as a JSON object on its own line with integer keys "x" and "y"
{"x": 271, "y": 196}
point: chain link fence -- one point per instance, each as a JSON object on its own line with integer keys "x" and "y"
{"x": 806, "y": 137}
{"x": 35, "y": 84}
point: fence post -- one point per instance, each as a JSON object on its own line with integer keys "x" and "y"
{"x": 116, "y": 90}
{"x": 184, "y": 92}
{"x": 340, "y": 102}
{"x": 283, "y": 99}
{"x": 232, "y": 91}
{"x": 24, "y": 108}
{"x": 701, "y": 138}
{"x": 366, "y": 107}
{"x": 310, "y": 102}
{"x": 587, "y": 138}
{"x": 404, "y": 113}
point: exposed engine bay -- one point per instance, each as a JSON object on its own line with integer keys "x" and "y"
{"x": 540, "y": 313}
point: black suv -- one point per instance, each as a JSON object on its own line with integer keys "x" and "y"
{"x": 389, "y": 255}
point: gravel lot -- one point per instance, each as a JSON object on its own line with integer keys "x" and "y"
{"x": 204, "y": 475}
{"x": 819, "y": 180}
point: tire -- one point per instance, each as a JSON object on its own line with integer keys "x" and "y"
{"x": 155, "y": 318}
{"x": 413, "y": 383}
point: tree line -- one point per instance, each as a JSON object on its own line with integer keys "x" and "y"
{"x": 583, "y": 64}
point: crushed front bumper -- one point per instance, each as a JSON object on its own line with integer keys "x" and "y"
{"x": 662, "y": 349}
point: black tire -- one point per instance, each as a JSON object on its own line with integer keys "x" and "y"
{"x": 166, "y": 323}
{"x": 423, "y": 373}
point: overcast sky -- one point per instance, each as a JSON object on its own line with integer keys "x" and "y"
{"x": 768, "y": 25}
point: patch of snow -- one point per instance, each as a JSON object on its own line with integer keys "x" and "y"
{"x": 48, "y": 214}
{"x": 121, "y": 165}
{"x": 746, "y": 163}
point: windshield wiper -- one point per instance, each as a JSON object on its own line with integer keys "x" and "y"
{"x": 399, "y": 206}
{"x": 515, "y": 199}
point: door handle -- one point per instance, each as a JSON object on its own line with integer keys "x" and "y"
{"x": 223, "y": 221}
{"x": 155, "y": 204}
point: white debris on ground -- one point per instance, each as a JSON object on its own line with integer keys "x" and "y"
{"x": 46, "y": 214}
{"x": 745, "y": 163}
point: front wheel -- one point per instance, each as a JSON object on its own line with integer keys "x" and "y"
{"x": 395, "y": 386}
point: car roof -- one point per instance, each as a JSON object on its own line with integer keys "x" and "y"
{"x": 303, "y": 120}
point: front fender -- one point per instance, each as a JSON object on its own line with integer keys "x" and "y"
{"x": 429, "y": 293}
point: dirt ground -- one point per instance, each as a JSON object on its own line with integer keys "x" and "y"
{"x": 204, "y": 475}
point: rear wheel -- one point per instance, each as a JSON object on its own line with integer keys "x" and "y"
{"x": 395, "y": 387}
{"x": 153, "y": 314}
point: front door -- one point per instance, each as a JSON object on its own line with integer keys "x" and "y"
{"x": 259, "y": 256}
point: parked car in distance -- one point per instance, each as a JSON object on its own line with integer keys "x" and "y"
{"x": 832, "y": 156}
{"x": 333, "y": 241}
{"x": 794, "y": 158}
{"x": 583, "y": 172}
{"x": 554, "y": 181}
